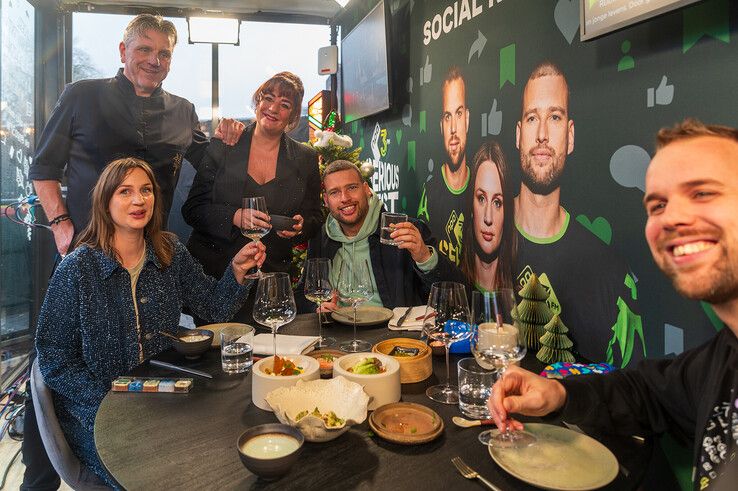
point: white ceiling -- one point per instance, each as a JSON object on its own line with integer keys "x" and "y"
{"x": 321, "y": 8}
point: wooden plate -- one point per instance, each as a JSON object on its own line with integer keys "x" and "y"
{"x": 560, "y": 459}
{"x": 368, "y": 315}
{"x": 421, "y": 424}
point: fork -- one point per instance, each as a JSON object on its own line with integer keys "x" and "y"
{"x": 470, "y": 473}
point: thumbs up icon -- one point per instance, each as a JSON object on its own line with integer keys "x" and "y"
{"x": 426, "y": 72}
{"x": 661, "y": 95}
{"x": 492, "y": 121}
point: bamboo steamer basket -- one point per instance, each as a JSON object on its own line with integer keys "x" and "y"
{"x": 412, "y": 368}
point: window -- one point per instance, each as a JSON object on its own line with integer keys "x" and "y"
{"x": 267, "y": 48}
{"x": 16, "y": 150}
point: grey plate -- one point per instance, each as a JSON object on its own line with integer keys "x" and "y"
{"x": 365, "y": 316}
{"x": 560, "y": 459}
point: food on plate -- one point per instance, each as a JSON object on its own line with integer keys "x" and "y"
{"x": 404, "y": 352}
{"x": 326, "y": 361}
{"x": 330, "y": 419}
{"x": 283, "y": 367}
{"x": 367, "y": 366}
{"x": 408, "y": 422}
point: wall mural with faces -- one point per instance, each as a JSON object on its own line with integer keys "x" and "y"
{"x": 474, "y": 128}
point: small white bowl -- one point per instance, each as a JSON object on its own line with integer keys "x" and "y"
{"x": 345, "y": 398}
{"x": 383, "y": 388}
{"x": 262, "y": 383}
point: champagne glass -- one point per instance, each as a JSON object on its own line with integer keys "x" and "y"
{"x": 446, "y": 303}
{"x": 275, "y": 303}
{"x": 496, "y": 343}
{"x": 254, "y": 223}
{"x": 318, "y": 289}
{"x": 355, "y": 287}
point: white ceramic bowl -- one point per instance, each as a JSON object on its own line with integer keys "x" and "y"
{"x": 262, "y": 383}
{"x": 345, "y": 398}
{"x": 383, "y": 388}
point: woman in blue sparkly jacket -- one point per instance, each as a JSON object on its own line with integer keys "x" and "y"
{"x": 124, "y": 282}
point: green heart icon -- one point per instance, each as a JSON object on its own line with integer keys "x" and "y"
{"x": 398, "y": 135}
{"x": 599, "y": 226}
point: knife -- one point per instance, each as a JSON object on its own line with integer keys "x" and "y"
{"x": 402, "y": 318}
{"x": 177, "y": 368}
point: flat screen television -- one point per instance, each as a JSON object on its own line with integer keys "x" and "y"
{"x": 365, "y": 70}
{"x": 598, "y": 17}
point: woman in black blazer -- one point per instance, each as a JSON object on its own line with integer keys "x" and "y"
{"x": 264, "y": 162}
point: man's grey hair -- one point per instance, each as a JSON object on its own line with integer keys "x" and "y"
{"x": 143, "y": 22}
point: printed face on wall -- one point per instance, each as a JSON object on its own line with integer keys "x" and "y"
{"x": 692, "y": 226}
{"x": 544, "y": 134}
{"x": 488, "y": 208}
{"x": 346, "y": 196}
{"x": 147, "y": 60}
{"x": 132, "y": 204}
{"x": 455, "y": 122}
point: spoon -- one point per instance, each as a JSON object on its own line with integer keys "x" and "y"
{"x": 470, "y": 423}
{"x": 169, "y": 335}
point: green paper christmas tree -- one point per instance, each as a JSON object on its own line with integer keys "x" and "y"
{"x": 533, "y": 312}
{"x": 555, "y": 343}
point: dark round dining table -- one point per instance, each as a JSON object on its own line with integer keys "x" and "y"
{"x": 188, "y": 441}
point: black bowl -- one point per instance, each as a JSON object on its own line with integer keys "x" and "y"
{"x": 193, "y": 349}
{"x": 270, "y": 469}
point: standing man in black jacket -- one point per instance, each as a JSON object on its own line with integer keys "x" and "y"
{"x": 402, "y": 274}
{"x": 692, "y": 230}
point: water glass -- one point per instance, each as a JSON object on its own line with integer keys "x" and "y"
{"x": 475, "y": 387}
{"x": 236, "y": 348}
{"x": 387, "y": 220}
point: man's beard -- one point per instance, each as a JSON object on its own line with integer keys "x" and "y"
{"x": 454, "y": 165}
{"x": 720, "y": 287}
{"x": 550, "y": 181}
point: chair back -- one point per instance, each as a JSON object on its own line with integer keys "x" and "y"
{"x": 60, "y": 453}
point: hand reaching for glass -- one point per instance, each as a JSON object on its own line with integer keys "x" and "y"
{"x": 296, "y": 228}
{"x": 523, "y": 392}
{"x": 252, "y": 255}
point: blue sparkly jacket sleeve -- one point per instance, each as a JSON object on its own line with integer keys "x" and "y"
{"x": 59, "y": 346}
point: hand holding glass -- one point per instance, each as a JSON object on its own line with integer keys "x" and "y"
{"x": 446, "y": 303}
{"x": 318, "y": 289}
{"x": 275, "y": 303}
{"x": 255, "y": 222}
{"x": 496, "y": 343}
{"x": 389, "y": 219}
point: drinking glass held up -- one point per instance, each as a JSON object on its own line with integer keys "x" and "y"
{"x": 255, "y": 222}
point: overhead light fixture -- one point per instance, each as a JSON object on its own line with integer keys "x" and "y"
{"x": 214, "y": 30}
{"x": 342, "y": 3}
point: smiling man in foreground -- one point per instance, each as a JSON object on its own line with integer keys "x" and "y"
{"x": 692, "y": 230}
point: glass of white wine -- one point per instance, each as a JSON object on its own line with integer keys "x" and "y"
{"x": 255, "y": 222}
{"x": 318, "y": 289}
{"x": 275, "y": 303}
{"x": 496, "y": 343}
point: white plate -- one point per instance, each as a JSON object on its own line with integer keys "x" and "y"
{"x": 560, "y": 459}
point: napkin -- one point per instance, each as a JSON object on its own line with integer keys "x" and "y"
{"x": 286, "y": 344}
{"x": 410, "y": 323}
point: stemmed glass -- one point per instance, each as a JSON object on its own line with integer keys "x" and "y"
{"x": 318, "y": 289}
{"x": 446, "y": 303}
{"x": 355, "y": 287}
{"x": 275, "y": 303}
{"x": 255, "y": 222}
{"x": 496, "y": 343}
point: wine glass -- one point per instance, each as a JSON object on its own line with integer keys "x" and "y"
{"x": 318, "y": 289}
{"x": 275, "y": 303}
{"x": 355, "y": 287}
{"x": 496, "y": 343}
{"x": 446, "y": 303}
{"x": 254, "y": 223}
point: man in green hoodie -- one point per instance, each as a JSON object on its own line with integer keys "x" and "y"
{"x": 401, "y": 275}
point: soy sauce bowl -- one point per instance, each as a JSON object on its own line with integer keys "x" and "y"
{"x": 193, "y": 349}
{"x": 273, "y": 454}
